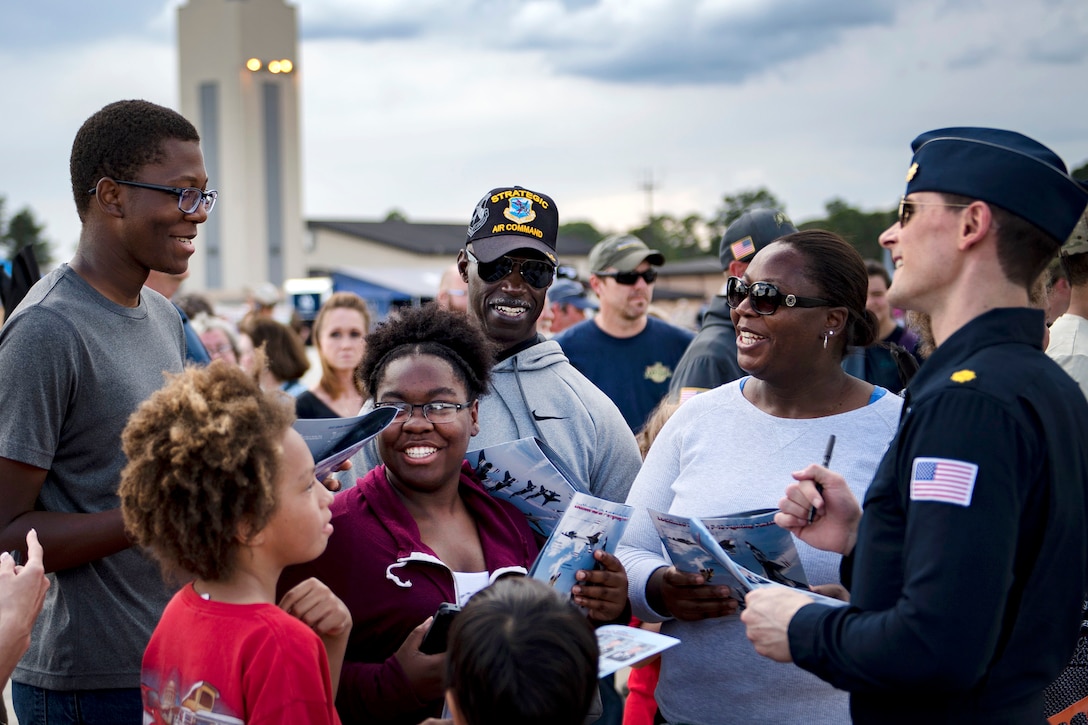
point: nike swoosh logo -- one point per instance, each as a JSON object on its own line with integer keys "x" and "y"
{"x": 538, "y": 416}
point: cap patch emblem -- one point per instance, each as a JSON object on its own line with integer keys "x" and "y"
{"x": 479, "y": 217}
{"x": 742, "y": 248}
{"x": 520, "y": 210}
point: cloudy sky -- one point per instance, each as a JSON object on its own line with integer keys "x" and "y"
{"x": 424, "y": 105}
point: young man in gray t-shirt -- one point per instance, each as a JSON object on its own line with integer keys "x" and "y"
{"x": 85, "y": 347}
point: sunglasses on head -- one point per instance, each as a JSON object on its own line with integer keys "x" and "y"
{"x": 764, "y": 297}
{"x": 630, "y": 278}
{"x": 536, "y": 272}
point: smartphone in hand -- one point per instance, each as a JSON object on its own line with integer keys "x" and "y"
{"x": 436, "y": 638}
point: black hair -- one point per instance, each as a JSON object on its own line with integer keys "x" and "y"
{"x": 839, "y": 272}
{"x": 119, "y": 140}
{"x": 430, "y": 330}
{"x": 519, "y": 653}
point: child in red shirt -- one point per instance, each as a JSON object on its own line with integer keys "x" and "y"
{"x": 221, "y": 489}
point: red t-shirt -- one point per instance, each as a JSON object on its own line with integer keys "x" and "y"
{"x": 243, "y": 663}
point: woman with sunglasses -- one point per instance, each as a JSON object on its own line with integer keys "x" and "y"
{"x": 419, "y": 530}
{"x": 799, "y": 305}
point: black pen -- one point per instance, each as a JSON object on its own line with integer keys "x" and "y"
{"x": 827, "y": 462}
{"x": 17, "y": 556}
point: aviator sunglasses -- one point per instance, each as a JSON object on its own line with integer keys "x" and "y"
{"x": 536, "y": 272}
{"x": 630, "y": 278}
{"x": 764, "y": 297}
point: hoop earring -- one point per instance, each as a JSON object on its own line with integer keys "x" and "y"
{"x": 827, "y": 334}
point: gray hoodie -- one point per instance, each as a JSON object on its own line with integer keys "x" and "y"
{"x": 537, "y": 392}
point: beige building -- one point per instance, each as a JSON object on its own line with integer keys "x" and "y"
{"x": 239, "y": 85}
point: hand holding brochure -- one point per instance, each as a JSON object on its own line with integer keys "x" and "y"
{"x": 334, "y": 440}
{"x": 622, "y": 646}
{"x": 589, "y": 523}
{"x": 756, "y": 542}
{"x": 692, "y": 548}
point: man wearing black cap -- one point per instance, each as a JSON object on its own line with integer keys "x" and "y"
{"x": 509, "y": 262}
{"x": 711, "y": 358}
{"x": 568, "y": 301}
{"x": 970, "y": 562}
{"x": 626, "y": 353}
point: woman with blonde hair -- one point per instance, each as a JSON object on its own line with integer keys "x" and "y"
{"x": 340, "y": 338}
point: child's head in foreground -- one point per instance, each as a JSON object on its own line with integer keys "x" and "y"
{"x": 215, "y": 470}
{"x": 521, "y": 654}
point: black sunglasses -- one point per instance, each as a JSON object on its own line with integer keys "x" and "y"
{"x": 764, "y": 297}
{"x": 630, "y": 278}
{"x": 536, "y": 272}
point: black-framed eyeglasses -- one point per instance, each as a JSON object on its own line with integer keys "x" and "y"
{"x": 189, "y": 198}
{"x": 765, "y": 297}
{"x": 906, "y": 208}
{"x": 536, "y": 272}
{"x": 630, "y": 278}
{"x": 433, "y": 412}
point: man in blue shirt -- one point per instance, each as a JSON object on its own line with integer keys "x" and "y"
{"x": 626, "y": 352}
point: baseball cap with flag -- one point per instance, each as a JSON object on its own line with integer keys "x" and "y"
{"x": 751, "y": 232}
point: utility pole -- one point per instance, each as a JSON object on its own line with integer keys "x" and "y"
{"x": 647, "y": 185}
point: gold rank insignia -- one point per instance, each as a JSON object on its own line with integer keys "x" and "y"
{"x": 963, "y": 376}
{"x": 912, "y": 171}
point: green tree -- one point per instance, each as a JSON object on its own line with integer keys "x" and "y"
{"x": 733, "y": 205}
{"x": 23, "y": 230}
{"x": 584, "y": 231}
{"x": 861, "y": 229}
{"x": 676, "y": 238}
{"x": 1081, "y": 172}
{"x": 395, "y": 215}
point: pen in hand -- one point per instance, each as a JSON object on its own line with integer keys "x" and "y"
{"x": 827, "y": 462}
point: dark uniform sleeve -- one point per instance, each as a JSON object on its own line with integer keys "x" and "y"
{"x": 929, "y": 604}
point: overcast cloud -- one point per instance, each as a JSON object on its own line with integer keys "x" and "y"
{"x": 425, "y": 105}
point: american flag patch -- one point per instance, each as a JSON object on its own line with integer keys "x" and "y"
{"x": 742, "y": 248}
{"x": 943, "y": 480}
{"x": 687, "y": 394}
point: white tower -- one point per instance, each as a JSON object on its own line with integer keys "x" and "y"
{"x": 239, "y": 87}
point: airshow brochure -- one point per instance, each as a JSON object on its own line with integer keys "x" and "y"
{"x": 334, "y": 440}
{"x": 622, "y": 646}
{"x": 692, "y": 548}
{"x": 529, "y": 475}
{"x": 589, "y": 523}
{"x": 756, "y": 542}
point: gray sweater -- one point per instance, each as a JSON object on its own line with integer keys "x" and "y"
{"x": 720, "y": 454}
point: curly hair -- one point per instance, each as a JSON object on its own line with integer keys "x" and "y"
{"x": 429, "y": 330}
{"x": 338, "y": 301}
{"x": 119, "y": 140}
{"x": 203, "y": 456}
{"x": 839, "y": 272}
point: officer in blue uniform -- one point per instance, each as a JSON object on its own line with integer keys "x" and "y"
{"x": 971, "y": 558}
